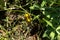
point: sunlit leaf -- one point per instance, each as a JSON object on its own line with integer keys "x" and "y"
{"x": 58, "y": 37}
{"x": 48, "y": 16}
{"x": 43, "y": 3}
{"x": 58, "y": 29}
{"x": 52, "y": 35}
{"x": 45, "y": 34}
{"x": 49, "y": 23}
{"x": 51, "y": 4}
{"x": 35, "y": 6}
{"x": 32, "y": 7}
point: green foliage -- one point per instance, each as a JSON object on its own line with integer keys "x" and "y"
{"x": 44, "y": 16}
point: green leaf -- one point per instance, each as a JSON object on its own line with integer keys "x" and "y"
{"x": 58, "y": 37}
{"x": 36, "y": 17}
{"x": 45, "y": 34}
{"x": 48, "y": 16}
{"x": 58, "y": 29}
{"x": 35, "y": 6}
{"x": 43, "y": 3}
{"x": 49, "y": 23}
{"x": 52, "y": 35}
{"x": 32, "y": 7}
